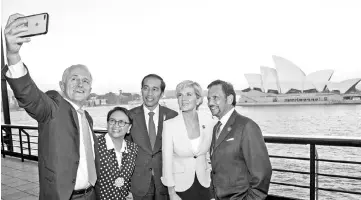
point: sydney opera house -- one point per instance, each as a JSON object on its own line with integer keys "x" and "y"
{"x": 289, "y": 84}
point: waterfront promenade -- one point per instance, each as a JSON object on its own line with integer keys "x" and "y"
{"x": 19, "y": 180}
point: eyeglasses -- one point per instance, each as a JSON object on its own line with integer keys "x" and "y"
{"x": 120, "y": 123}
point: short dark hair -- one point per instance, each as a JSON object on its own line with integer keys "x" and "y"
{"x": 122, "y": 109}
{"x": 227, "y": 89}
{"x": 162, "y": 83}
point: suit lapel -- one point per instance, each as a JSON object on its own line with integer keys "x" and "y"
{"x": 112, "y": 159}
{"x": 213, "y": 141}
{"x": 125, "y": 160}
{"x": 182, "y": 134}
{"x": 96, "y": 143}
{"x": 144, "y": 141}
{"x": 226, "y": 129}
{"x": 74, "y": 117}
{"x": 204, "y": 128}
{"x": 158, "y": 140}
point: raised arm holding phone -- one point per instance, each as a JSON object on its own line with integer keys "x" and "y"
{"x": 68, "y": 157}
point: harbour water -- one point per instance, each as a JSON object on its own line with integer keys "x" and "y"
{"x": 306, "y": 120}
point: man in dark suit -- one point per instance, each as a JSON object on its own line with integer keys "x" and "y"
{"x": 241, "y": 168}
{"x": 147, "y": 134}
{"x": 68, "y": 157}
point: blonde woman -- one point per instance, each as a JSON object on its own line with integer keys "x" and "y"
{"x": 185, "y": 145}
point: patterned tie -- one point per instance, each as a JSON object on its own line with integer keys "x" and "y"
{"x": 218, "y": 127}
{"x": 92, "y": 175}
{"x": 151, "y": 129}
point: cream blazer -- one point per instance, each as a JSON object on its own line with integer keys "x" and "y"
{"x": 180, "y": 162}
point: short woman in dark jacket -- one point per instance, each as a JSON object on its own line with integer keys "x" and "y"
{"x": 117, "y": 156}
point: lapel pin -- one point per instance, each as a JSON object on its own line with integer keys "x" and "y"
{"x": 229, "y": 129}
{"x": 203, "y": 126}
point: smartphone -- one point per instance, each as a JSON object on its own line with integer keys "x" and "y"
{"x": 37, "y": 25}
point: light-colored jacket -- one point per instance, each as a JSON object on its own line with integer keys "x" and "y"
{"x": 180, "y": 162}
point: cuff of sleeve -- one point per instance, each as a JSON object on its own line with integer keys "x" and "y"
{"x": 16, "y": 71}
{"x": 167, "y": 182}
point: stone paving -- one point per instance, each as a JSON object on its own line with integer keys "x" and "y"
{"x": 19, "y": 180}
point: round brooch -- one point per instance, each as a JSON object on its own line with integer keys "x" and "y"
{"x": 119, "y": 182}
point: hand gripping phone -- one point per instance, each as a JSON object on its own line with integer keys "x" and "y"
{"x": 37, "y": 25}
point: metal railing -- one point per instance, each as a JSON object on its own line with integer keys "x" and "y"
{"x": 15, "y": 141}
{"x": 21, "y": 141}
{"x": 313, "y": 160}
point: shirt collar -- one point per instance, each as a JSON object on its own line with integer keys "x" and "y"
{"x": 76, "y": 107}
{"x": 110, "y": 144}
{"x": 225, "y": 118}
{"x": 146, "y": 110}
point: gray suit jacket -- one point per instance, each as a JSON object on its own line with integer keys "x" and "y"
{"x": 148, "y": 160}
{"x": 59, "y": 137}
{"x": 241, "y": 168}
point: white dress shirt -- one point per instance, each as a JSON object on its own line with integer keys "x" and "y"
{"x": 155, "y": 117}
{"x": 225, "y": 118}
{"x": 82, "y": 180}
{"x": 110, "y": 145}
{"x": 18, "y": 70}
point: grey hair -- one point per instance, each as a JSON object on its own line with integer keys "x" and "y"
{"x": 68, "y": 70}
{"x": 190, "y": 84}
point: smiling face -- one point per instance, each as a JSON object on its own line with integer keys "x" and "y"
{"x": 76, "y": 84}
{"x": 116, "y": 131}
{"x": 187, "y": 99}
{"x": 218, "y": 103}
{"x": 151, "y": 92}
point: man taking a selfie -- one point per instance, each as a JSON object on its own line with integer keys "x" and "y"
{"x": 68, "y": 158}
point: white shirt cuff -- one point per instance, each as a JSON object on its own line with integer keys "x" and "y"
{"x": 16, "y": 71}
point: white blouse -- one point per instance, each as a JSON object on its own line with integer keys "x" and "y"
{"x": 110, "y": 145}
{"x": 195, "y": 143}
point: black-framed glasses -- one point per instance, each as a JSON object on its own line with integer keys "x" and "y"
{"x": 120, "y": 123}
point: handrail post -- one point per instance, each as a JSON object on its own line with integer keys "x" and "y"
{"x": 316, "y": 154}
{"x": 28, "y": 138}
{"x": 312, "y": 171}
{"x": 21, "y": 146}
{"x": 5, "y": 100}
{"x": 2, "y": 144}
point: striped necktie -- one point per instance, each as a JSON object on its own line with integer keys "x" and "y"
{"x": 92, "y": 175}
{"x": 218, "y": 127}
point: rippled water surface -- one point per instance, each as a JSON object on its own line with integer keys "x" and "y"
{"x": 305, "y": 120}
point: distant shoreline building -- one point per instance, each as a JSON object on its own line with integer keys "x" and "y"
{"x": 289, "y": 84}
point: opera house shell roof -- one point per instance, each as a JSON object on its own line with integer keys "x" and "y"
{"x": 289, "y": 78}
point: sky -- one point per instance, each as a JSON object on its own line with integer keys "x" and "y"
{"x": 122, "y": 41}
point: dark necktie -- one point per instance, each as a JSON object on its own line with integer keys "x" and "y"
{"x": 218, "y": 127}
{"x": 151, "y": 129}
{"x": 92, "y": 175}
